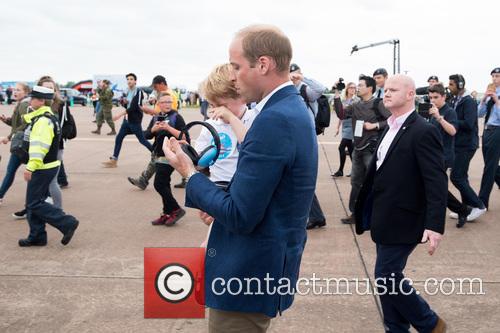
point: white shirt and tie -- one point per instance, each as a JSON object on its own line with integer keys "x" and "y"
{"x": 394, "y": 127}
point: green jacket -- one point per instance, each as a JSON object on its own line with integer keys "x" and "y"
{"x": 16, "y": 121}
{"x": 105, "y": 98}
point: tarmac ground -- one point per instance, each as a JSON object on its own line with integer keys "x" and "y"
{"x": 95, "y": 284}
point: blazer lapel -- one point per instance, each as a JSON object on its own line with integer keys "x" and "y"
{"x": 411, "y": 118}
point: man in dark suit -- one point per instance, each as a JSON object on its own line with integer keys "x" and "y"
{"x": 259, "y": 229}
{"x": 403, "y": 203}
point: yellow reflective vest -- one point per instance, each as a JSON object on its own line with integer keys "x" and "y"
{"x": 41, "y": 139}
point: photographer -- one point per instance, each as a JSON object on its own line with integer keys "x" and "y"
{"x": 445, "y": 119}
{"x": 166, "y": 124}
{"x": 368, "y": 121}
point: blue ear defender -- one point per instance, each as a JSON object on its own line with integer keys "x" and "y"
{"x": 208, "y": 156}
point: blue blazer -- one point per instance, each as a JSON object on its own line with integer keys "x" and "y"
{"x": 259, "y": 229}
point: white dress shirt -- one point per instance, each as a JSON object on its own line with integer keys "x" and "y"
{"x": 394, "y": 127}
{"x": 263, "y": 102}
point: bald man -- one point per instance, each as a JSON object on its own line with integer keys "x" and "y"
{"x": 403, "y": 203}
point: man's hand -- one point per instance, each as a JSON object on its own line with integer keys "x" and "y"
{"x": 434, "y": 111}
{"x": 4, "y": 140}
{"x": 370, "y": 126}
{"x": 27, "y": 175}
{"x": 3, "y": 118}
{"x": 222, "y": 113}
{"x": 177, "y": 158}
{"x": 296, "y": 77}
{"x": 207, "y": 219}
{"x": 434, "y": 238}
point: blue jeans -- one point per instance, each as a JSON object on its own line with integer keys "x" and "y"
{"x": 40, "y": 212}
{"x": 400, "y": 303}
{"x": 10, "y": 174}
{"x": 460, "y": 178}
{"x": 126, "y": 129}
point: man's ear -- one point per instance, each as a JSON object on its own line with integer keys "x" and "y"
{"x": 265, "y": 65}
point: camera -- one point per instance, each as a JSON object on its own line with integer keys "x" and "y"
{"x": 161, "y": 118}
{"x": 423, "y": 110}
{"x": 340, "y": 85}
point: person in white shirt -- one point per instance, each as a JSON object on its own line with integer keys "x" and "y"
{"x": 231, "y": 119}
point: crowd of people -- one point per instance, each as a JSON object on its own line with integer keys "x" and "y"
{"x": 252, "y": 170}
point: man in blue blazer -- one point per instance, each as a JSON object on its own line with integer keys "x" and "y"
{"x": 258, "y": 235}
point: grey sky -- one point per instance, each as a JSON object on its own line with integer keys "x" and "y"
{"x": 183, "y": 40}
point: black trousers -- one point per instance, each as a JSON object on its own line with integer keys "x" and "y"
{"x": 401, "y": 304}
{"x": 162, "y": 186}
{"x": 345, "y": 143}
{"x": 491, "y": 156}
{"x": 39, "y": 212}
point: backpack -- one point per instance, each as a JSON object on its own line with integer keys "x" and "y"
{"x": 322, "y": 119}
{"x": 68, "y": 125}
{"x": 20, "y": 142}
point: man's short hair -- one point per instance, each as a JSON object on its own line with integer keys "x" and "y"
{"x": 159, "y": 79}
{"x": 438, "y": 88}
{"x": 219, "y": 84}
{"x": 131, "y": 74}
{"x": 266, "y": 40}
{"x": 106, "y": 82}
{"x": 370, "y": 82}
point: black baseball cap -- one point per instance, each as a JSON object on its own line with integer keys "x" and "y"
{"x": 159, "y": 79}
{"x": 495, "y": 71}
{"x": 380, "y": 71}
{"x": 433, "y": 77}
{"x": 294, "y": 67}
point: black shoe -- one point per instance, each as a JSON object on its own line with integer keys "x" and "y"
{"x": 462, "y": 218}
{"x": 182, "y": 184}
{"x": 348, "y": 220}
{"x": 338, "y": 174}
{"x": 27, "y": 242}
{"x": 63, "y": 185}
{"x": 20, "y": 215}
{"x": 314, "y": 224}
{"x": 138, "y": 183}
{"x": 69, "y": 234}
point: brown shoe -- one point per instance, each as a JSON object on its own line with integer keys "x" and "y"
{"x": 440, "y": 326}
{"x": 110, "y": 164}
{"x": 113, "y": 132}
{"x": 97, "y": 131}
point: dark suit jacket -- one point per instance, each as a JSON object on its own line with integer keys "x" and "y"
{"x": 259, "y": 226}
{"x": 408, "y": 193}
